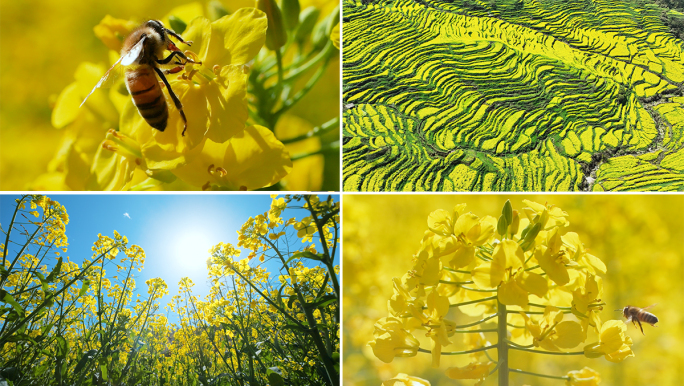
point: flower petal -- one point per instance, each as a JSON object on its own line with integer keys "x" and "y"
{"x": 227, "y": 107}
{"x": 511, "y": 294}
{"x": 251, "y": 160}
{"x": 234, "y": 39}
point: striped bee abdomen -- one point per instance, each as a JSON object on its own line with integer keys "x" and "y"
{"x": 648, "y": 317}
{"x": 148, "y": 96}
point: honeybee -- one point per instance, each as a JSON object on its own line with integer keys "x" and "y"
{"x": 639, "y": 315}
{"x": 141, "y": 55}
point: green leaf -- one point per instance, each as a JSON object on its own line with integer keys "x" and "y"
{"x": 84, "y": 288}
{"x": 84, "y": 360}
{"x": 306, "y": 255}
{"x": 55, "y": 271}
{"x": 323, "y": 301}
{"x": 103, "y": 369}
{"x": 39, "y": 370}
{"x": 20, "y": 338}
{"x": 43, "y": 282}
{"x": 275, "y": 379}
{"x": 62, "y": 346}
{"x": 7, "y": 298}
{"x": 279, "y": 298}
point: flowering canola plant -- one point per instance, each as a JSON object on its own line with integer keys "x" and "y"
{"x": 62, "y": 323}
{"x": 229, "y": 144}
{"x": 524, "y": 270}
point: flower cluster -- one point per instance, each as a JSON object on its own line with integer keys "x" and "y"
{"x": 230, "y": 95}
{"x": 506, "y": 268}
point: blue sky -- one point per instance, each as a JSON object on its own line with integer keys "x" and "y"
{"x": 176, "y": 231}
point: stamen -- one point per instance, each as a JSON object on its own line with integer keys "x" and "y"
{"x": 110, "y": 145}
{"x": 206, "y": 186}
{"x": 216, "y": 69}
{"x": 193, "y": 56}
{"x": 222, "y": 172}
{"x": 210, "y": 170}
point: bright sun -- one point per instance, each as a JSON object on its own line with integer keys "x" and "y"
{"x": 189, "y": 250}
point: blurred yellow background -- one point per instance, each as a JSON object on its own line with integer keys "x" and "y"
{"x": 43, "y": 41}
{"x": 639, "y": 237}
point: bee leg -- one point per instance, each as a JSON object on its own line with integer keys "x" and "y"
{"x": 175, "y": 99}
{"x": 177, "y": 36}
{"x": 173, "y": 70}
{"x": 174, "y": 53}
{"x": 642, "y": 329}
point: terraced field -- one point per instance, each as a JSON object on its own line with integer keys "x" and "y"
{"x": 533, "y": 95}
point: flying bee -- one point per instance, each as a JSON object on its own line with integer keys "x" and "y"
{"x": 141, "y": 56}
{"x": 639, "y": 315}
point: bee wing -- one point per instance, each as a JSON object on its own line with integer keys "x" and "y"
{"x": 652, "y": 305}
{"x": 134, "y": 53}
{"x": 109, "y": 78}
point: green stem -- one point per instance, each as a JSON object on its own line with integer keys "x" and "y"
{"x": 476, "y": 323}
{"x": 455, "y": 282}
{"x": 322, "y": 150}
{"x": 518, "y": 345}
{"x": 321, "y": 56}
{"x": 539, "y": 375}
{"x": 478, "y": 290}
{"x": 471, "y": 302}
{"x": 279, "y": 61}
{"x": 316, "y": 131}
{"x": 543, "y": 306}
{"x": 474, "y": 331}
{"x": 539, "y": 312}
{"x": 455, "y": 270}
{"x": 309, "y": 85}
{"x": 460, "y": 352}
{"x": 495, "y": 368}
{"x": 503, "y": 346}
{"x": 548, "y": 352}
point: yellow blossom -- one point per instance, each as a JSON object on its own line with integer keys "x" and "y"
{"x": 584, "y": 377}
{"x": 475, "y": 370}
{"x": 613, "y": 343}
{"x": 392, "y": 340}
{"x": 402, "y": 379}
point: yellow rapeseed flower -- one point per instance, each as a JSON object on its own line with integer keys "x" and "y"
{"x": 474, "y": 370}
{"x": 392, "y": 340}
{"x": 613, "y": 343}
{"x": 402, "y": 379}
{"x": 584, "y": 377}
